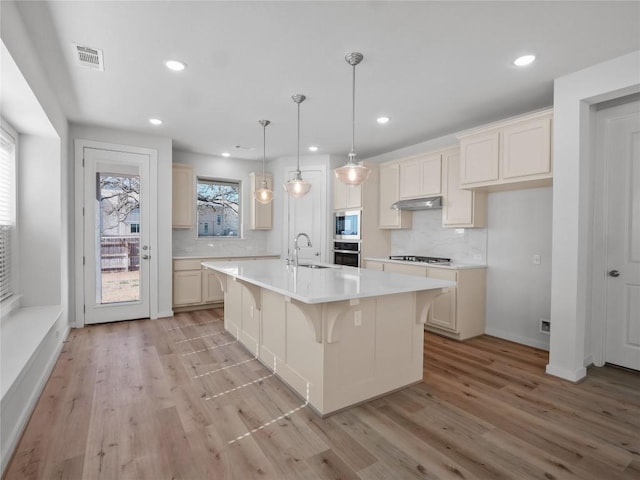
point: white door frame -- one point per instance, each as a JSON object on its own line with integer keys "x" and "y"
{"x": 79, "y": 146}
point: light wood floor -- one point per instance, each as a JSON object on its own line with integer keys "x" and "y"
{"x": 123, "y": 403}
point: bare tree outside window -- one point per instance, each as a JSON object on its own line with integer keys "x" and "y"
{"x": 119, "y": 225}
{"x": 218, "y": 205}
{"x": 119, "y": 201}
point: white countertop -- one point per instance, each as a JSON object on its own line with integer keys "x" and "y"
{"x": 333, "y": 284}
{"x": 451, "y": 266}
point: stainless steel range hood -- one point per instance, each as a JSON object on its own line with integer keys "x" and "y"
{"x": 427, "y": 203}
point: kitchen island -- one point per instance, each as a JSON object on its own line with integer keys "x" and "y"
{"x": 336, "y": 335}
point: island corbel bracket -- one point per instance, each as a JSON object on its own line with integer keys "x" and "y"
{"x": 424, "y": 303}
{"x": 254, "y": 292}
{"x": 222, "y": 278}
{"x": 312, "y": 313}
{"x": 335, "y": 311}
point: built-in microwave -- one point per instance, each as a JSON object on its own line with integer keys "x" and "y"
{"x": 347, "y": 225}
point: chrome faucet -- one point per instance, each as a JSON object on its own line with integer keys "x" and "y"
{"x": 296, "y": 248}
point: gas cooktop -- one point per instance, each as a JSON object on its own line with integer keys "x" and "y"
{"x": 416, "y": 258}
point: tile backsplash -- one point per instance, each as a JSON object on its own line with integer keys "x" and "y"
{"x": 428, "y": 238}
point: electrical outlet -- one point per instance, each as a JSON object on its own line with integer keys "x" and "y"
{"x": 545, "y": 325}
{"x": 536, "y": 259}
{"x": 357, "y": 318}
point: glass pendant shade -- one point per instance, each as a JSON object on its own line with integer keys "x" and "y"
{"x": 353, "y": 173}
{"x": 264, "y": 194}
{"x": 297, "y": 187}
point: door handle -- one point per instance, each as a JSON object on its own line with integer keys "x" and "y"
{"x": 614, "y": 273}
{"x": 317, "y": 254}
{"x": 145, "y": 257}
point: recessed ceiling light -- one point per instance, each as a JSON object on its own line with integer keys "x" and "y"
{"x": 313, "y": 148}
{"x": 382, "y": 120}
{"x": 226, "y": 154}
{"x": 175, "y": 65}
{"x": 524, "y": 60}
{"x": 155, "y": 121}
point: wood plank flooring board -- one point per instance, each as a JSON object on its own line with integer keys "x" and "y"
{"x": 346, "y": 447}
{"x": 122, "y": 403}
{"x": 396, "y": 448}
{"x": 602, "y": 455}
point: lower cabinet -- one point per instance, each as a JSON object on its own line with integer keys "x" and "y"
{"x": 458, "y": 312}
{"x": 195, "y": 286}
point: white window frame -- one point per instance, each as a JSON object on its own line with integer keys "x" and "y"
{"x": 12, "y": 301}
{"x": 222, "y": 181}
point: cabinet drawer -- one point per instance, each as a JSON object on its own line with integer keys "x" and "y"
{"x": 442, "y": 274}
{"x": 190, "y": 264}
{"x": 406, "y": 269}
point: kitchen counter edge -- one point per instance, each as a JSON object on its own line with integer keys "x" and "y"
{"x": 452, "y": 266}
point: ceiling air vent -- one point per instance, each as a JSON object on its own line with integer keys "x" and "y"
{"x": 89, "y": 57}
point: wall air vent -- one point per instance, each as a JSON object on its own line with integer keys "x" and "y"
{"x": 89, "y": 57}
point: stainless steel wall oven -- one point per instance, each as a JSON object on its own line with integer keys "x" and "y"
{"x": 346, "y": 253}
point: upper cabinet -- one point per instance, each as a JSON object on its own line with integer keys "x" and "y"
{"x": 261, "y": 214}
{"x": 460, "y": 208}
{"x": 508, "y": 155}
{"x": 346, "y": 197}
{"x": 183, "y": 200}
{"x": 389, "y": 194}
{"x": 421, "y": 176}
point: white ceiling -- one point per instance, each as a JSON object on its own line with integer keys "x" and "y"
{"x": 435, "y": 68}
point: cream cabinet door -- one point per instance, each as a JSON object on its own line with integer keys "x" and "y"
{"x": 187, "y": 287}
{"x": 421, "y": 176}
{"x": 443, "y": 311}
{"x": 389, "y": 194}
{"x": 183, "y": 199}
{"x": 346, "y": 196}
{"x": 526, "y": 148}
{"x": 211, "y": 288}
{"x": 479, "y": 158}
{"x": 461, "y": 208}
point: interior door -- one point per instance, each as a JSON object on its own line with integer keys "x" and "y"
{"x": 308, "y": 214}
{"x": 621, "y": 132}
{"x": 116, "y": 236}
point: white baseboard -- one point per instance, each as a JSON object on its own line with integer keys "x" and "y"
{"x": 495, "y": 332}
{"x": 572, "y": 376}
{"x": 168, "y": 313}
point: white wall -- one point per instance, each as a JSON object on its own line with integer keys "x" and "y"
{"x": 574, "y": 95}
{"x": 519, "y": 292}
{"x": 163, "y": 146}
{"x": 44, "y": 156}
{"x": 39, "y": 220}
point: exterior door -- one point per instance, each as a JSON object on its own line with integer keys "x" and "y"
{"x": 116, "y": 236}
{"x": 307, "y": 214}
{"x": 621, "y": 133}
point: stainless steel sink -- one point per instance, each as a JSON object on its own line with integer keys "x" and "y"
{"x": 313, "y": 265}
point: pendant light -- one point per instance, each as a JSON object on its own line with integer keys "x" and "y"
{"x": 264, "y": 194}
{"x": 353, "y": 173}
{"x": 297, "y": 187}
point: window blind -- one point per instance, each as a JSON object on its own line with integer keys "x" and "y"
{"x": 7, "y": 162}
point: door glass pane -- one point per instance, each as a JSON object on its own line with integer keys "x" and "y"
{"x": 117, "y": 238}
